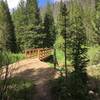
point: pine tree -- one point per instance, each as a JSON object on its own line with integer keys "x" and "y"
{"x": 79, "y": 60}
{"x": 79, "y": 46}
{"x": 33, "y": 12}
{"x": 34, "y": 29}
{"x": 20, "y": 22}
{"x": 49, "y": 28}
{"x": 63, "y": 26}
{"x": 7, "y": 32}
{"x": 97, "y": 21}
{"x": 2, "y": 27}
{"x": 88, "y": 16}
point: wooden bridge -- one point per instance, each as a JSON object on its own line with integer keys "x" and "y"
{"x": 40, "y": 53}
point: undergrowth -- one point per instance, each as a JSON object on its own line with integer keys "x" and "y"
{"x": 18, "y": 89}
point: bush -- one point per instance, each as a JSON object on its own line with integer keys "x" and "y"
{"x": 58, "y": 89}
{"x": 19, "y": 89}
{"x": 72, "y": 89}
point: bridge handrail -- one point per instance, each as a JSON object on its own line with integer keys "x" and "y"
{"x": 40, "y": 53}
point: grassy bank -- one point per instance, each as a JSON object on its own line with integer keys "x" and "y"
{"x": 9, "y": 58}
{"x": 93, "y": 55}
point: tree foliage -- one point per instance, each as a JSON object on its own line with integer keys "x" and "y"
{"x": 63, "y": 28}
{"x": 7, "y": 29}
{"x": 20, "y": 21}
{"x": 97, "y": 20}
{"x": 49, "y": 28}
{"x": 79, "y": 59}
{"x": 34, "y": 28}
{"x": 29, "y": 27}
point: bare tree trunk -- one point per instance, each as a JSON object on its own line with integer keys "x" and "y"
{"x": 55, "y": 59}
{"x": 66, "y": 70}
{"x": 5, "y": 81}
{"x": 4, "y": 87}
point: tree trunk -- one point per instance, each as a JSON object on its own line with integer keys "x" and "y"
{"x": 66, "y": 70}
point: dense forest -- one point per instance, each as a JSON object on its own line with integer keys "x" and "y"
{"x": 71, "y": 28}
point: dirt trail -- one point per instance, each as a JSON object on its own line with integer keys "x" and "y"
{"x": 37, "y": 71}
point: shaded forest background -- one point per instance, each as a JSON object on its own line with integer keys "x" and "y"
{"x": 30, "y": 26}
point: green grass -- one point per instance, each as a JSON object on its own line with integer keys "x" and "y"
{"x": 9, "y": 58}
{"x": 16, "y": 57}
{"x": 94, "y": 55}
{"x": 60, "y": 55}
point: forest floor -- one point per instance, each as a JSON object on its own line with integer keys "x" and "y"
{"x": 37, "y": 71}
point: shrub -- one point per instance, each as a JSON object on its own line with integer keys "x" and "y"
{"x": 58, "y": 89}
{"x": 19, "y": 89}
{"x": 72, "y": 89}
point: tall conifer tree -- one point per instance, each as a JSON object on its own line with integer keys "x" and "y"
{"x": 7, "y": 32}
{"x": 97, "y": 22}
{"x": 34, "y": 28}
{"x": 49, "y": 27}
{"x": 63, "y": 25}
{"x": 20, "y": 21}
{"x": 79, "y": 58}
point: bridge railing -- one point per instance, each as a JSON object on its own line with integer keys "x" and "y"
{"x": 40, "y": 53}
